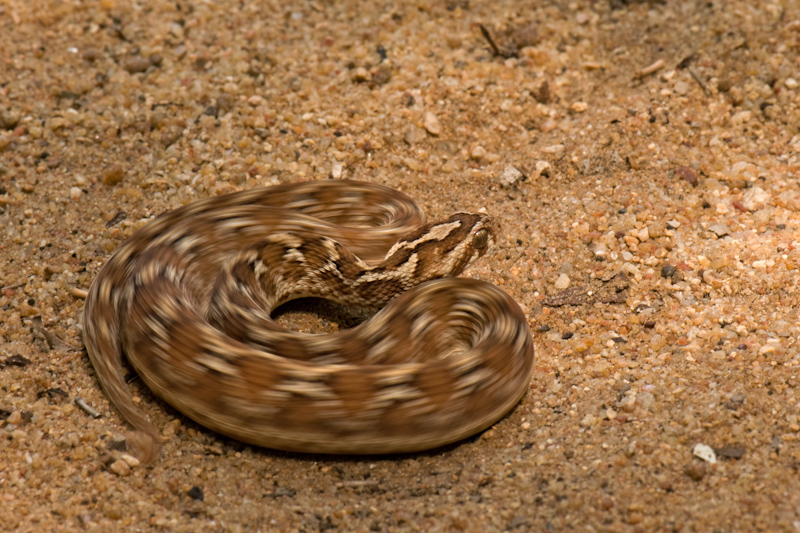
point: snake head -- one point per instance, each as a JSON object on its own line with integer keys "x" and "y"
{"x": 446, "y": 248}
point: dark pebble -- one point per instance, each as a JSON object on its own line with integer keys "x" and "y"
{"x": 196, "y": 493}
{"x": 687, "y": 174}
{"x": 667, "y": 271}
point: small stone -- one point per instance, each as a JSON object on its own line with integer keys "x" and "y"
{"x": 130, "y": 459}
{"x": 510, "y": 176}
{"x": 113, "y": 175}
{"x": 705, "y": 452}
{"x": 14, "y": 418}
{"x": 755, "y": 198}
{"x": 673, "y": 224}
{"x": 655, "y": 231}
{"x": 432, "y": 124}
{"x": 114, "y": 512}
{"x": 643, "y": 234}
{"x": 542, "y": 168}
{"x": 360, "y": 75}
{"x": 478, "y": 153}
{"x": 790, "y": 83}
{"x": 120, "y": 468}
{"x": 696, "y": 470}
{"x": 667, "y": 271}
{"x": 766, "y": 349}
{"x": 588, "y": 420}
{"x": 554, "y": 149}
{"x": 413, "y": 135}
{"x": 337, "y": 169}
{"x": 687, "y": 174}
{"x": 600, "y": 249}
{"x": 196, "y": 493}
{"x": 134, "y": 64}
{"x": 256, "y": 100}
{"x": 9, "y": 119}
{"x": 381, "y": 75}
{"x": 720, "y": 230}
{"x": 562, "y": 282}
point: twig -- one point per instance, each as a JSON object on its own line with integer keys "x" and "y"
{"x": 505, "y": 53}
{"x": 488, "y": 37}
{"x": 699, "y": 81}
{"x": 83, "y": 405}
{"x": 650, "y": 69}
{"x": 79, "y": 293}
{"x": 53, "y": 341}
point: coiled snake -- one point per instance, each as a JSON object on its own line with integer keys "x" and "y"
{"x": 187, "y": 300}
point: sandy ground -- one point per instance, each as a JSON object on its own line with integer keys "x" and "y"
{"x": 657, "y": 140}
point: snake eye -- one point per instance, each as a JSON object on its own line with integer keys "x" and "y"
{"x": 481, "y": 239}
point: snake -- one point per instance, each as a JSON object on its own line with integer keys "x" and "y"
{"x": 187, "y": 302}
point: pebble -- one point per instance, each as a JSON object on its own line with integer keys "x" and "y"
{"x": 432, "y": 124}
{"x": 720, "y": 230}
{"x": 337, "y": 169}
{"x": 112, "y": 175}
{"x": 688, "y": 175}
{"x": 360, "y": 75}
{"x": 600, "y": 249}
{"x": 510, "y": 176}
{"x": 696, "y": 470}
{"x": 755, "y": 198}
{"x": 705, "y": 452}
{"x": 9, "y": 118}
{"x": 478, "y": 153}
{"x": 134, "y": 64}
{"x": 120, "y": 468}
{"x": 542, "y": 168}
{"x": 130, "y": 459}
{"x": 562, "y": 282}
{"x": 413, "y": 134}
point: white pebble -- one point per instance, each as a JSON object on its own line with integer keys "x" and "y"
{"x": 510, "y": 176}
{"x": 131, "y": 460}
{"x": 336, "y": 170}
{"x": 755, "y": 198}
{"x": 562, "y": 282}
{"x": 75, "y": 193}
{"x": 705, "y": 452}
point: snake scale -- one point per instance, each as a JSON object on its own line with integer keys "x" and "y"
{"x": 187, "y": 300}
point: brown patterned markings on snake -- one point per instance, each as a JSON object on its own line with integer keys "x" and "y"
{"x": 188, "y": 300}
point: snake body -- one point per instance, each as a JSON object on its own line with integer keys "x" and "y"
{"x": 187, "y": 300}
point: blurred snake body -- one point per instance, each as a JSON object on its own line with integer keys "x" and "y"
{"x": 187, "y": 301}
